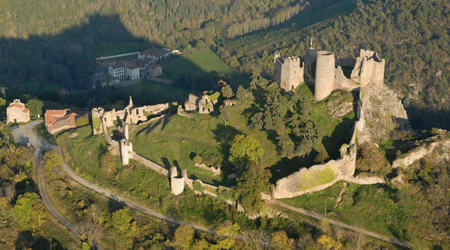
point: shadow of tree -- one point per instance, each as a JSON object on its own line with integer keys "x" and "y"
{"x": 26, "y": 240}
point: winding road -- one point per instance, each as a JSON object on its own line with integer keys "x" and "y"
{"x": 25, "y": 134}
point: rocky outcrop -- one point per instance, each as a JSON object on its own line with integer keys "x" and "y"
{"x": 384, "y": 112}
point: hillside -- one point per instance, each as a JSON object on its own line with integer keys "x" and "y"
{"x": 166, "y": 22}
{"x": 413, "y": 36}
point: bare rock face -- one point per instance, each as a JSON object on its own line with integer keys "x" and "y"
{"x": 341, "y": 105}
{"x": 383, "y": 111}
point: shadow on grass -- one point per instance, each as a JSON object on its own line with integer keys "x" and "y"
{"x": 286, "y": 166}
{"x": 26, "y": 240}
{"x": 114, "y": 206}
{"x": 224, "y": 135}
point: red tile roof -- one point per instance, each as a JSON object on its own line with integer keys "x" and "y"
{"x": 19, "y": 106}
{"x": 52, "y": 115}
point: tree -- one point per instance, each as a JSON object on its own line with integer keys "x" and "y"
{"x": 2, "y": 102}
{"x": 280, "y": 241}
{"x": 184, "y": 237}
{"x": 370, "y": 158}
{"x": 253, "y": 182}
{"x": 329, "y": 243}
{"x": 256, "y": 121}
{"x": 35, "y": 106}
{"x": 227, "y": 236}
{"x": 241, "y": 92}
{"x": 53, "y": 159}
{"x": 245, "y": 151}
{"x": 121, "y": 219}
{"x": 29, "y": 211}
{"x": 286, "y": 145}
{"x": 227, "y": 92}
{"x": 225, "y": 114}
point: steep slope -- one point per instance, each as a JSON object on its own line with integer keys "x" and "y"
{"x": 166, "y": 22}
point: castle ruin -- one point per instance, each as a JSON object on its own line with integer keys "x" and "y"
{"x": 329, "y": 73}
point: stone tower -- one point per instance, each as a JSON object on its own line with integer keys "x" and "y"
{"x": 310, "y": 61}
{"x": 288, "y": 72}
{"x": 325, "y": 74}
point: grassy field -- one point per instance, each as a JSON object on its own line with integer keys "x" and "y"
{"x": 203, "y": 61}
{"x": 140, "y": 183}
{"x": 176, "y": 140}
{"x": 370, "y": 207}
{"x": 109, "y": 49}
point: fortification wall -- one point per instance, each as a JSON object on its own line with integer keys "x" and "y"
{"x": 346, "y": 62}
{"x": 150, "y": 164}
{"x": 341, "y": 82}
{"x": 310, "y": 180}
{"x": 378, "y": 74}
{"x": 325, "y": 72}
{"x": 417, "y": 154}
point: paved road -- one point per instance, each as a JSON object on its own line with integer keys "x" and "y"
{"x": 119, "y": 55}
{"x": 25, "y": 134}
{"x": 341, "y": 224}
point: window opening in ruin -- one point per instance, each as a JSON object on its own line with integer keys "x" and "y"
{"x": 292, "y": 87}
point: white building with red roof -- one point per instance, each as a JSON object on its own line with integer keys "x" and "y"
{"x": 17, "y": 112}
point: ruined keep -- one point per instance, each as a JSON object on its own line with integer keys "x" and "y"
{"x": 328, "y": 73}
{"x": 288, "y": 72}
{"x": 129, "y": 115}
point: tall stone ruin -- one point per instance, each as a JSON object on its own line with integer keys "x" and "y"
{"x": 327, "y": 72}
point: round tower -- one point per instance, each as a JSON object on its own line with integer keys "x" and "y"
{"x": 325, "y": 71}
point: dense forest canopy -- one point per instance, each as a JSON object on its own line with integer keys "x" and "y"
{"x": 413, "y": 36}
{"x": 165, "y": 21}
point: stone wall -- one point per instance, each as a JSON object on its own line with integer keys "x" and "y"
{"x": 319, "y": 177}
{"x": 150, "y": 164}
{"x": 129, "y": 115}
{"x": 418, "y": 153}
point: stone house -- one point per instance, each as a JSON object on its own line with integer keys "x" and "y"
{"x": 60, "y": 120}
{"x": 17, "y": 112}
{"x": 155, "y": 70}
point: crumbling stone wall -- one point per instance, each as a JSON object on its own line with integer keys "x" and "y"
{"x": 420, "y": 152}
{"x": 129, "y": 115}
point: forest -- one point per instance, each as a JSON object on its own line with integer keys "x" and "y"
{"x": 172, "y": 22}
